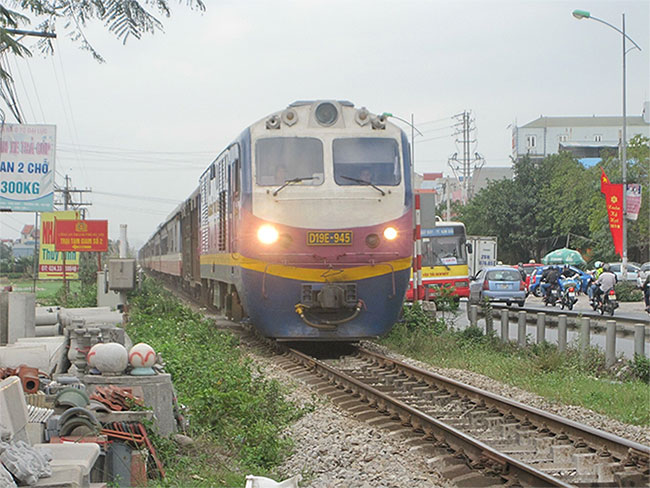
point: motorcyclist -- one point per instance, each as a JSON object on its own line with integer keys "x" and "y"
{"x": 604, "y": 283}
{"x": 567, "y": 272}
{"x": 598, "y": 265}
{"x": 550, "y": 277}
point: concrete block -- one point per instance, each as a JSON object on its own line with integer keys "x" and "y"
{"x": 63, "y": 477}
{"x": 35, "y": 356}
{"x": 35, "y": 432}
{"x": 25, "y": 462}
{"x": 13, "y": 409}
{"x": 158, "y": 393}
{"x": 55, "y": 346}
{"x": 4, "y": 318}
{"x": 105, "y": 296}
{"x": 82, "y": 454}
{"x": 21, "y": 318}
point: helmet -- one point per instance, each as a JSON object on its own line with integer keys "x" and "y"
{"x": 598, "y": 264}
{"x": 606, "y": 267}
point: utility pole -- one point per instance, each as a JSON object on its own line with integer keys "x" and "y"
{"x": 68, "y": 204}
{"x": 465, "y": 168}
{"x": 67, "y": 200}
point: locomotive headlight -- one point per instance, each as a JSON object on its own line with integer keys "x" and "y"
{"x": 390, "y": 233}
{"x": 326, "y": 114}
{"x": 267, "y": 234}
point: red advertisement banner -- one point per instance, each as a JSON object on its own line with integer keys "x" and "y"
{"x": 81, "y": 235}
{"x": 614, "y": 200}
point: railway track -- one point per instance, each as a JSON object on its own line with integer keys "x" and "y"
{"x": 475, "y": 438}
{"x": 472, "y": 437}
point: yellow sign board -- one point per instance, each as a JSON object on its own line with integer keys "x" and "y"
{"x": 50, "y": 261}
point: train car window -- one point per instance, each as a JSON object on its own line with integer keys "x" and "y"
{"x": 371, "y": 159}
{"x": 278, "y": 159}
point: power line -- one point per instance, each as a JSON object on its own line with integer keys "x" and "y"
{"x": 465, "y": 169}
{"x": 137, "y": 197}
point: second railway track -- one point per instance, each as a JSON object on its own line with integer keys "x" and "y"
{"x": 476, "y": 438}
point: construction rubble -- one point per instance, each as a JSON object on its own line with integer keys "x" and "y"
{"x": 78, "y": 400}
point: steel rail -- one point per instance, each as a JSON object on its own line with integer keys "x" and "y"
{"x": 477, "y": 451}
{"x": 618, "y": 446}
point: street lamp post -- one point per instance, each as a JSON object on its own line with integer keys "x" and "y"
{"x": 583, "y": 14}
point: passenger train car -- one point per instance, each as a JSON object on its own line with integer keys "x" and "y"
{"x": 303, "y": 223}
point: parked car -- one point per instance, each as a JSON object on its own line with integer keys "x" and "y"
{"x": 498, "y": 284}
{"x": 632, "y": 272}
{"x": 644, "y": 271}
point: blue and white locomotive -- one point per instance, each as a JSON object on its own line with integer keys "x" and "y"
{"x": 303, "y": 223}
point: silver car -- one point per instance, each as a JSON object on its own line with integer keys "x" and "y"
{"x": 498, "y": 284}
{"x": 632, "y": 272}
{"x": 644, "y": 271}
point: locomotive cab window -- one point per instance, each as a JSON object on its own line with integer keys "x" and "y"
{"x": 278, "y": 159}
{"x": 366, "y": 159}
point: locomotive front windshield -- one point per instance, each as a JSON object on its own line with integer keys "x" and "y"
{"x": 369, "y": 159}
{"x": 278, "y": 159}
{"x": 444, "y": 251}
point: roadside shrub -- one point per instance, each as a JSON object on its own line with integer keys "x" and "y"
{"x": 627, "y": 292}
{"x": 415, "y": 318}
{"x": 444, "y": 298}
{"x": 641, "y": 368}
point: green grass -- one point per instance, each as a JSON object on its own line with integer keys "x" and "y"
{"x": 568, "y": 378}
{"x": 236, "y": 415}
{"x": 45, "y": 289}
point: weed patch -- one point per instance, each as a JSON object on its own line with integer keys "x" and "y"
{"x": 227, "y": 404}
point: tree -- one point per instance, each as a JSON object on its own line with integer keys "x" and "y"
{"x": 123, "y": 18}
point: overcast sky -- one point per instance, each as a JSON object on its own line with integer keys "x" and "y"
{"x": 139, "y": 129}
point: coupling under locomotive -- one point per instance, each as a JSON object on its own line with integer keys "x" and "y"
{"x": 306, "y": 221}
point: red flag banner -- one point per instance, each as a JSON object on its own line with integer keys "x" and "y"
{"x": 614, "y": 200}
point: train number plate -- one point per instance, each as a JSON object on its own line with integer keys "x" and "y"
{"x": 330, "y": 238}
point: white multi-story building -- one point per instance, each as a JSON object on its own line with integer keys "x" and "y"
{"x": 584, "y": 137}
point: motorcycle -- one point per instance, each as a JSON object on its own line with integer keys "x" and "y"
{"x": 552, "y": 295}
{"x": 605, "y": 302}
{"x": 568, "y": 296}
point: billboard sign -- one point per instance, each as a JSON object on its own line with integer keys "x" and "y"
{"x": 81, "y": 235}
{"x": 50, "y": 261}
{"x": 27, "y": 167}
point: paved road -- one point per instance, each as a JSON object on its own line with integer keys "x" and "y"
{"x": 631, "y": 310}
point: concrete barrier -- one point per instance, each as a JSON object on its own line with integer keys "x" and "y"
{"x": 505, "y": 322}
{"x": 610, "y": 344}
{"x": 585, "y": 325}
{"x": 561, "y": 333}
{"x": 521, "y": 328}
{"x": 541, "y": 327}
